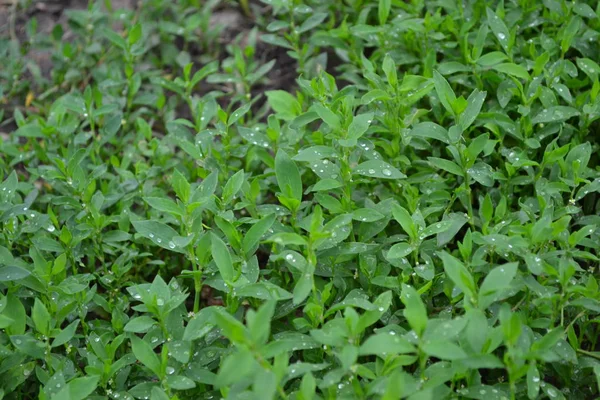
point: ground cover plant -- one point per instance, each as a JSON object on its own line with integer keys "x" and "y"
{"x": 298, "y": 199}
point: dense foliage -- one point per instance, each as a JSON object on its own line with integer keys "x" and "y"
{"x": 354, "y": 199}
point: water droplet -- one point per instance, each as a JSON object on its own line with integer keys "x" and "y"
{"x": 151, "y": 235}
{"x": 51, "y": 228}
{"x": 381, "y": 309}
{"x": 171, "y": 245}
{"x": 501, "y": 36}
{"x": 536, "y": 379}
{"x": 158, "y": 240}
{"x": 289, "y": 257}
{"x": 154, "y": 340}
{"x": 137, "y": 297}
{"x": 170, "y": 370}
{"x": 386, "y": 172}
{"x": 96, "y": 339}
{"x": 160, "y": 302}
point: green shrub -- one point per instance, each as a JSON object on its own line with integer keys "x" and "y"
{"x": 415, "y": 216}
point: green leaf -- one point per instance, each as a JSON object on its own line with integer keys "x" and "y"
{"x": 284, "y": 104}
{"x": 474, "y": 104}
{"x": 235, "y": 367}
{"x": 181, "y": 186}
{"x": 444, "y": 92}
{"x": 135, "y": 34}
{"x": 555, "y": 114}
{"x": 165, "y": 205}
{"x": 259, "y": 322}
{"x": 159, "y": 233}
{"x": 458, "y": 273}
{"x": 222, "y": 258}
{"x": 233, "y": 186}
{"x": 383, "y": 11}
{"x": 446, "y": 165}
{"x": 513, "y": 70}
{"x": 389, "y": 68}
{"x": 400, "y": 250}
{"x": 332, "y": 120}
{"x": 430, "y": 130}
{"x": 497, "y": 280}
{"x": 14, "y": 310}
{"x": 288, "y": 176}
{"x": 40, "y": 316}
{"x": 444, "y": 350}
{"x": 414, "y": 311}
{"x": 158, "y": 394}
{"x": 359, "y": 126}
{"x": 384, "y": 344}
{"x": 81, "y": 388}
{"x": 13, "y": 273}
{"x": 533, "y": 381}
{"x": 404, "y": 219}
{"x": 139, "y": 324}
{"x": 115, "y": 38}
{"x": 256, "y": 232}
{"x": 378, "y": 169}
{"x": 65, "y": 334}
{"x": 145, "y": 354}
{"x": 239, "y": 113}
{"x": 200, "y": 325}
{"x": 499, "y": 29}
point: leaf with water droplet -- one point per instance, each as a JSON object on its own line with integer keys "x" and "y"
{"x": 159, "y": 233}
{"x": 495, "y": 282}
{"x": 200, "y": 325}
{"x": 339, "y": 230}
{"x": 13, "y": 273}
{"x": 239, "y": 113}
{"x": 435, "y": 228}
{"x": 179, "y": 382}
{"x": 367, "y": 215}
{"x": 325, "y": 169}
{"x": 430, "y": 130}
{"x": 400, "y": 250}
{"x": 383, "y": 344}
{"x": 315, "y": 153}
{"x": 458, "y": 273}
{"x": 499, "y": 29}
{"x": 145, "y": 354}
{"x": 555, "y": 114}
{"x": 378, "y": 169}
{"x": 254, "y": 137}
